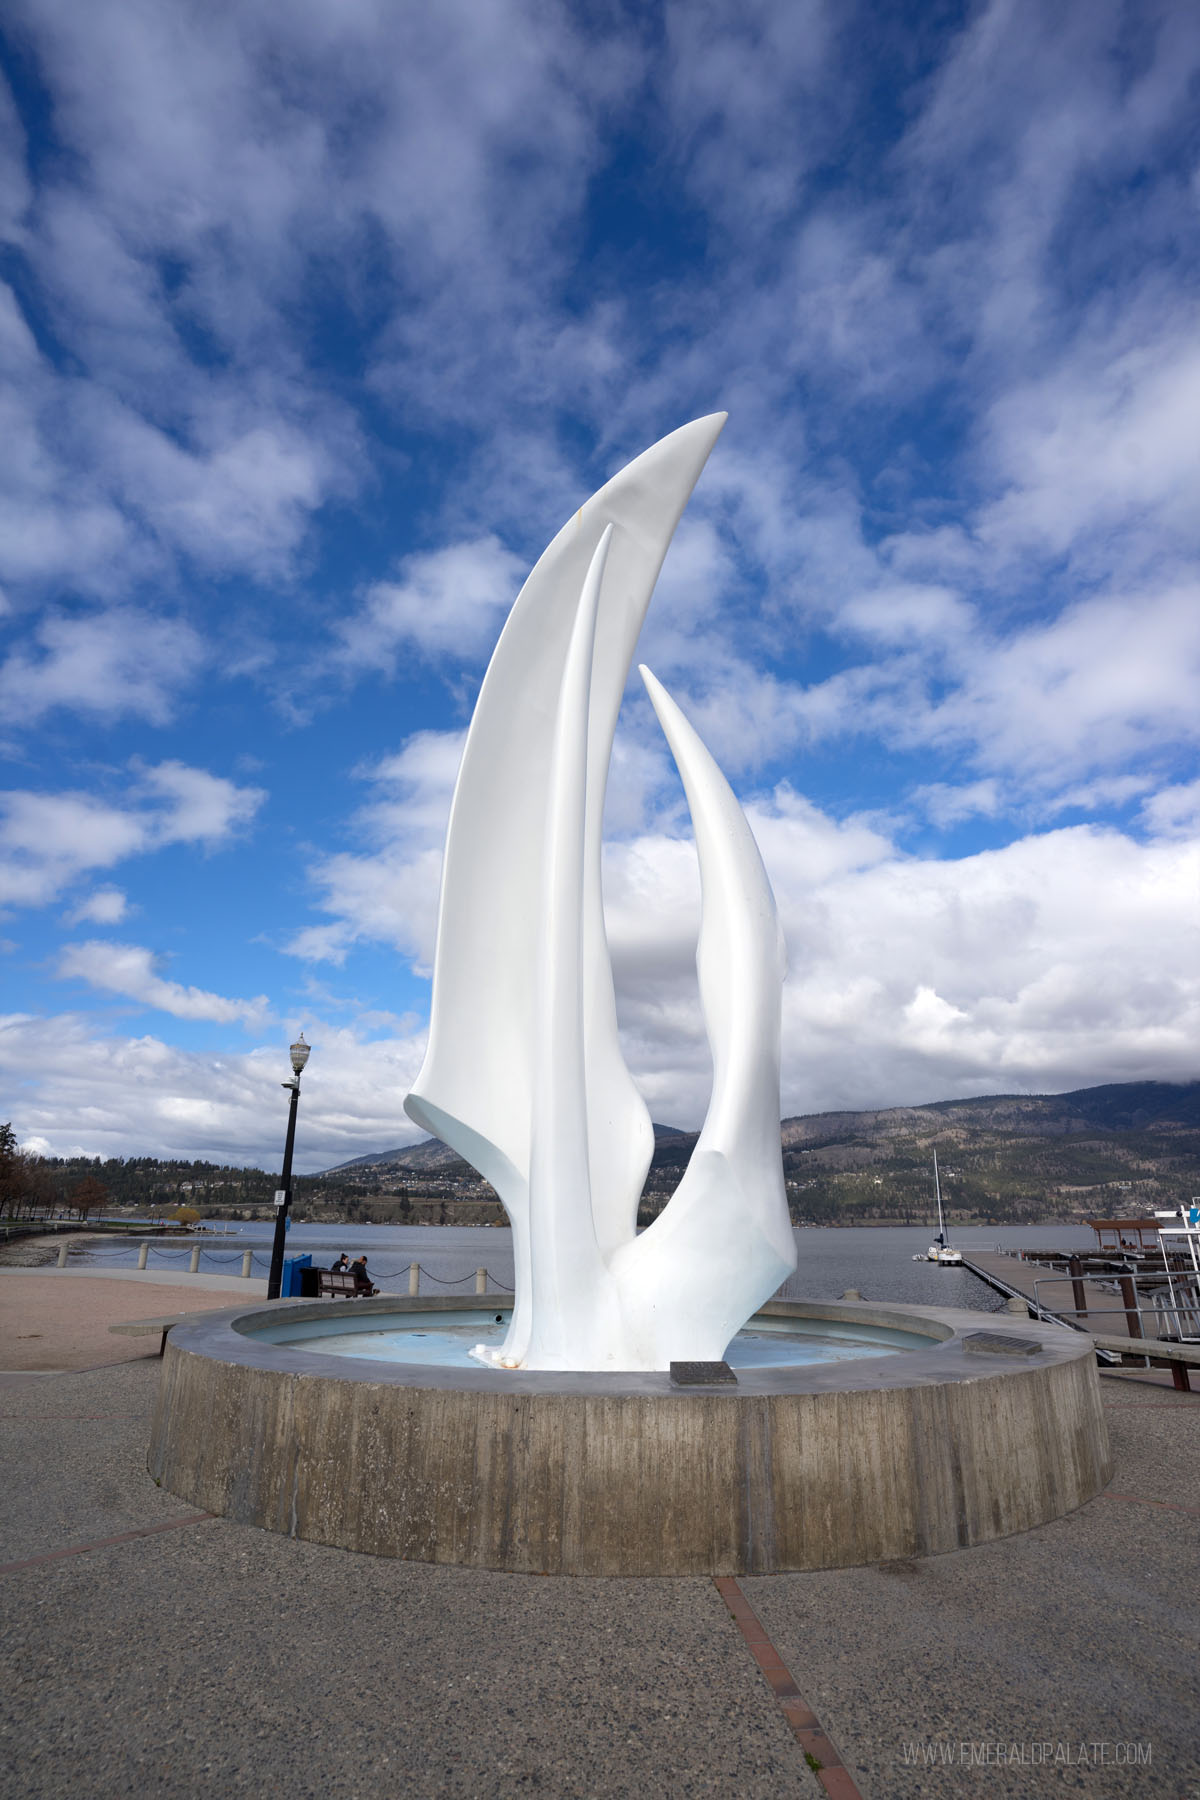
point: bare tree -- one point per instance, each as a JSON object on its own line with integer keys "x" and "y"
{"x": 25, "y": 1183}
{"x": 87, "y": 1195}
{"x": 10, "y": 1170}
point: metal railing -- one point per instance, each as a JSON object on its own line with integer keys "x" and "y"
{"x": 1177, "y": 1309}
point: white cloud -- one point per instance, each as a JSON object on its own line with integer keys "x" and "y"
{"x": 1058, "y": 961}
{"x": 111, "y": 664}
{"x": 1104, "y": 446}
{"x": 1064, "y": 959}
{"x": 198, "y": 807}
{"x": 215, "y": 172}
{"x": 87, "y": 1091}
{"x": 1104, "y": 792}
{"x": 239, "y": 499}
{"x": 1109, "y": 679}
{"x": 106, "y": 488}
{"x": 389, "y": 898}
{"x": 131, "y": 971}
{"x": 1174, "y": 812}
{"x": 725, "y": 72}
{"x": 947, "y": 804}
{"x": 389, "y": 895}
{"x": 904, "y": 614}
{"x": 104, "y": 906}
{"x": 47, "y": 841}
{"x": 444, "y": 602}
{"x": 14, "y": 181}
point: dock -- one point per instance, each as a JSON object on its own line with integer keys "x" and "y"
{"x": 1056, "y": 1297}
{"x": 1110, "y": 1310}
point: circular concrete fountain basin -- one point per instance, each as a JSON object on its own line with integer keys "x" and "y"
{"x": 941, "y": 1431}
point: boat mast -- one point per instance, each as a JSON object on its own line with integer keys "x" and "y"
{"x": 937, "y": 1188}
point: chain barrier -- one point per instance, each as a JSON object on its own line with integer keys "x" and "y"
{"x": 500, "y": 1285}
{"x": 260, "y": 1259}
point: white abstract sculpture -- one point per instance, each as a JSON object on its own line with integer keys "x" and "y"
{"x": 523, "y": 1075}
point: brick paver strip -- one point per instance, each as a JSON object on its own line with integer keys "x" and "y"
{"x": 1144, "y": 1500}
{"x": 831, "y": 1772}
{"x": 122, "y": 1537}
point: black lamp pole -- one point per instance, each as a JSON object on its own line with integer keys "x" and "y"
{"x": 283, "y": 1195}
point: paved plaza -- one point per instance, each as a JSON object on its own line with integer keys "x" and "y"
{"x": 148, "y": 1650}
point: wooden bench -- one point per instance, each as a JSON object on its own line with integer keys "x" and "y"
{"x": 341, "y": 1285}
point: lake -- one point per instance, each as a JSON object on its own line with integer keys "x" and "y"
{"x": 876, "y": 1260}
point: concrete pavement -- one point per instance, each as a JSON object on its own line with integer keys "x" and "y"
{"x": 210, "y": 1659}
{"x": 53, "y": 1320}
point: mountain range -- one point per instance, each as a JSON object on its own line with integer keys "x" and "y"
{"x": 1002, "y": 1155}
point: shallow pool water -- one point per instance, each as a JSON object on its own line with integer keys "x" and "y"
{"x": 448, "y": 1346}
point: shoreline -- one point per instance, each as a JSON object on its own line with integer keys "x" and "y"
{"x": 10, "y": 1253}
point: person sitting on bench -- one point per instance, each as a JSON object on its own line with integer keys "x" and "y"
{"x": 362, "y": 1281}
{"x": 341, "y": 1266}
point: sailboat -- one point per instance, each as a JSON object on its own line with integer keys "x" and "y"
{"x": 939, "y": 1251}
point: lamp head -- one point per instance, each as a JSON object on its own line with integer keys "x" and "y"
{"x": 300, "y": 1053}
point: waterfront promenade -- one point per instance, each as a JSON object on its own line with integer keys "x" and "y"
{"x": 150, "y": 1650}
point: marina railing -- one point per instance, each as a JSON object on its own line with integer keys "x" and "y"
{"x": 1173, "y": 1314}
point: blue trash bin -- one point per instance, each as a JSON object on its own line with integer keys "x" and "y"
{"x": 289, "y": 1283}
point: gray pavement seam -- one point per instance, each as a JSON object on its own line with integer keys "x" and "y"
{"x": 1151, "y": 1405}
{"x": 74, "y": 1418}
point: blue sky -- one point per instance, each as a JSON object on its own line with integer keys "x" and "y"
{"x": 317, "y": 321}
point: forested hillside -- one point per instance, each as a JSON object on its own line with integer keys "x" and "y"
{"x": 1003, "y": 1158}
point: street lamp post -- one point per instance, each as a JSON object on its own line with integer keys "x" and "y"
{"x": 283, "y": 1195}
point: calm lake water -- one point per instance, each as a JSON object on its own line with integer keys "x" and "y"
{"x": 877, "y": 1261}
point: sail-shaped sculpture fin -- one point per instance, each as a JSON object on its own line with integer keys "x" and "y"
{"x": 523, "y": 1074}
{"x": 723, "y": 1243}
{"x": 572, "y": 1315}
{"x": 473, "y": 1089}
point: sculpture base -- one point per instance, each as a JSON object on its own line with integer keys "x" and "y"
{"x": 904, "y": 1454}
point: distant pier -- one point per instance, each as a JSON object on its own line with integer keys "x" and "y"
{"x": 1108, "y": 1306}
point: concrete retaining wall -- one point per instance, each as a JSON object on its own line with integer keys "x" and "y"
{"x": 907, "y": 1455}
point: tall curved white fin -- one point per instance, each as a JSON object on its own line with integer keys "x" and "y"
{"x": 474, "y": 1088}
{"x": 523, "y": 1074}
{"x": 573, "y": 1309}
{"x": 724, "y": 1242}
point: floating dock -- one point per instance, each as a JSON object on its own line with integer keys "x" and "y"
{"x": 1109, "y": 1309}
